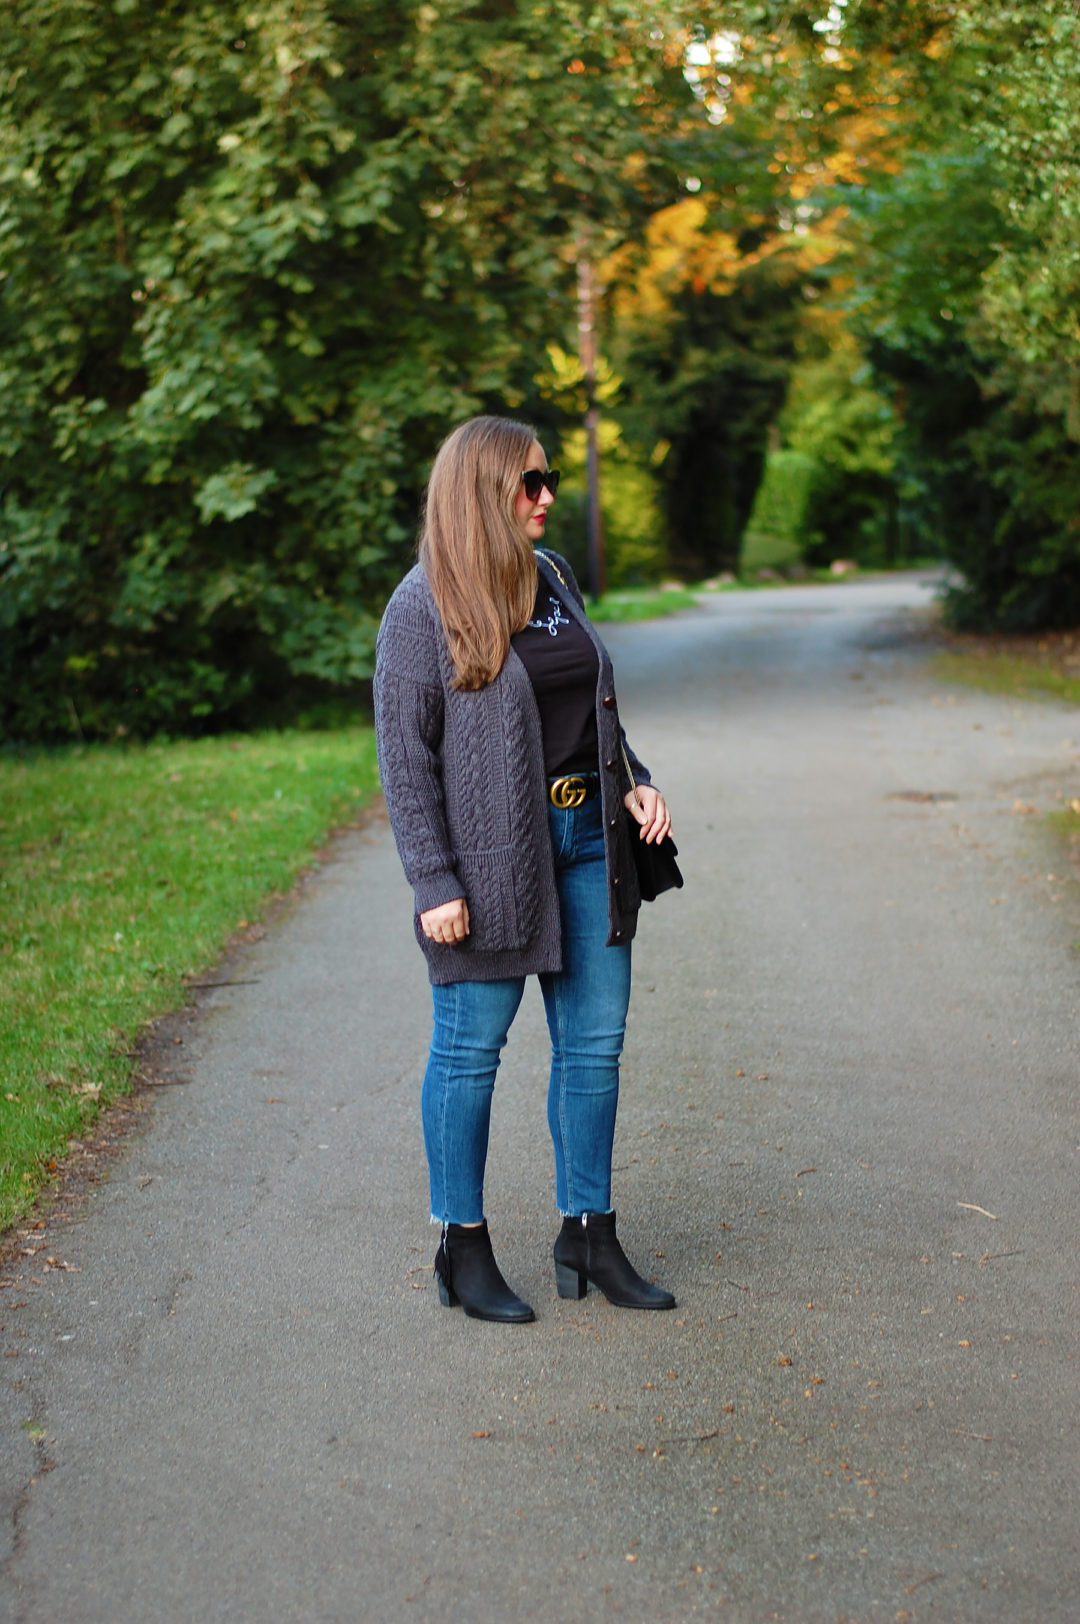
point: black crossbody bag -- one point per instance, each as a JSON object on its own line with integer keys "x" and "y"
{"x": 655, "y": 862}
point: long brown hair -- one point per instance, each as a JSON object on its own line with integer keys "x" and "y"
{"x": 478, "y": 560}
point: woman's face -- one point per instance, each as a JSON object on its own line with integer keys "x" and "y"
{"x": 532, "y": 512}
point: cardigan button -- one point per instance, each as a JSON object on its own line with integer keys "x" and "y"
{"x": 608, "y": 700}
{"x": 613, "y": 823}
{"x": 611, "y": 765}
{"x": 617, "y": 880}
{"x": 618, "y": 935}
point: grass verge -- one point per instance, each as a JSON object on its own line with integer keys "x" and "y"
{"x": 124, "y": 871}
{"x": 651, "y": 602}
{"x": 1034, "y": 670}
{"x": 1041, "y": 666}
{"x": 641, "y": 603}
{"x": 1066, "y": 826}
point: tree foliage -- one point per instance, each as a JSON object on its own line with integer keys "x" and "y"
{"x": 964, "y": 280}
{"x": 847, "y": 426}
{"x": 254, "y": 260}
{"x": 714, "y": 312}
{"x": 776, "y": 531}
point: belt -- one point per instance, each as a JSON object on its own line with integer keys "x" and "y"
{"x": 573, "y": 789}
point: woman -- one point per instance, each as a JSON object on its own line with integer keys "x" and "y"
{"x": 504, "y": 771}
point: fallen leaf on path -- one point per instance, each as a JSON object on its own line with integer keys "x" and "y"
{"x": 928, "y": 1578}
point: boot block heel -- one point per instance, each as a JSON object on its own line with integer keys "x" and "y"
{"x": 569, "y": 1282}
{"x": 446, "y": 1296}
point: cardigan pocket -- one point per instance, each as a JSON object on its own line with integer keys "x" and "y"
{"x": 499, "y": 917}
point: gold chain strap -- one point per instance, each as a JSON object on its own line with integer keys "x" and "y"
{"x": 549, "y": 560}
{"x": 630, "y": 772}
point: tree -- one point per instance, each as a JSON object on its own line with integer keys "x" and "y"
{"x": 967, "y": 278}
{"x": 847, "y": 427}
{"x": 712, "y": 312}
{"x": 254, "y": 260}
{"x": 707, "y": 365}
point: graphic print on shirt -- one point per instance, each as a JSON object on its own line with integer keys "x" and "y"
{"x": 554, "y": 620}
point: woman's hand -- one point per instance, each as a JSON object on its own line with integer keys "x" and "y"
{"x": 650, "y": 809}
{"x": 448, "y": 923}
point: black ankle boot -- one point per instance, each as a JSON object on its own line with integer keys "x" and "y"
{"x": 467, "y": 1273}
{"x": 588, "y": 1249}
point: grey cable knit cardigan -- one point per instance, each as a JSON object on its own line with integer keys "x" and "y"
{"x": 463, "y": 776}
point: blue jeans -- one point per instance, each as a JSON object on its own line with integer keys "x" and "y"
{"x": 586, "y": 1004}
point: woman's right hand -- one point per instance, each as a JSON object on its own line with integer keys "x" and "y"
{"x": 447, "y": 923}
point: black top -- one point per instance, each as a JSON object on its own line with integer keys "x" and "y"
{"x": 563, "y": 667}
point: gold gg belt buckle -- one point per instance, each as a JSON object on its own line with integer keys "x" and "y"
{"x": 568, "y": 792}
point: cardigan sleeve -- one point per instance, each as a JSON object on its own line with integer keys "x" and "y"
{"x": 409, "y": 716}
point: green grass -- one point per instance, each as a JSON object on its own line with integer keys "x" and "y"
{"x": 651, "y": 602}
{"x": 999, "y": 673}
{"x": 1066, "y": 826}
{"x": 123, "y": 871}
{"x": 641, "y": 603}
{"x": 1067, "y": 823}
{"x": 772, "y": 583}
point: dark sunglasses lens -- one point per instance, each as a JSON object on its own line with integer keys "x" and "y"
{"x": 534, "y": 480}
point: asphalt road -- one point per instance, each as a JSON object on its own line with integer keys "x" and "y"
{"x": 848, "y": 1142}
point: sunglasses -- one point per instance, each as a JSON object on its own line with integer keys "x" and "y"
{"x": 534, "y": 480}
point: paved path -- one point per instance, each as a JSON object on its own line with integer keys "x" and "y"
{"x": 854, "y": 1039}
